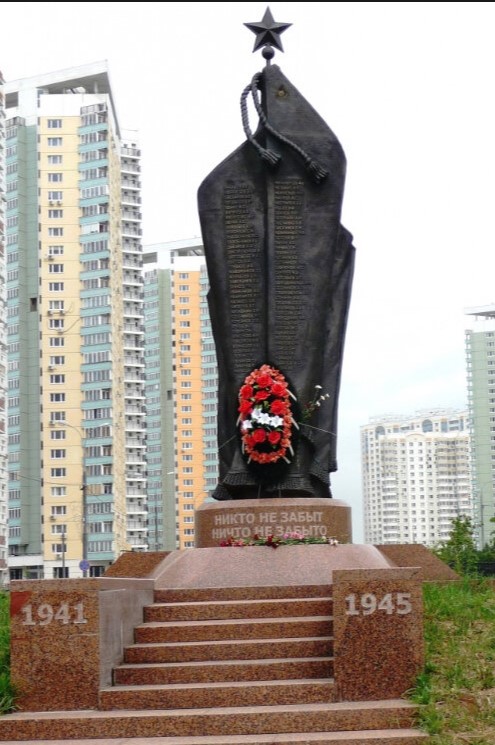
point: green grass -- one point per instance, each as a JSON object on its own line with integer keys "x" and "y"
{"x": 456, "y": 690}
{"x": 7, "y": 694}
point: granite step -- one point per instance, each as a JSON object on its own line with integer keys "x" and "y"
{"x": 215, "y": 594}
{"x": 223, "y": 609}
{"x": 316, "y": 646}
{"x": 214, "y": 672}
{"x": 266, "y": 628}
{"x": 363, "y": 737}
{"x": 209, "y": 695}
{"x": 226, "y": 722}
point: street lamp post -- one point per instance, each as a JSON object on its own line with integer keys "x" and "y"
{"x": 63, "y": 552}
{"x": 84, "y": 522}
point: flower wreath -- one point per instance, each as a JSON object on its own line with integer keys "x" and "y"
{"x": 266, "y": 418}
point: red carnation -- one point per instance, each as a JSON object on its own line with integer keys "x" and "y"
{"x": 274, "y": 437}
{"x": 259, "y": 435}
{"x": 261, "y": 395}
{"x": 246, "y": 391}
{"x": 264, "y": 380}
{"x": 278, "y": 407}
{"x": 245, "y": 407}
{"x": 278, "y": 389}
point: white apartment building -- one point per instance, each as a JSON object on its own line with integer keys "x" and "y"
{"x": 416, "y": 476}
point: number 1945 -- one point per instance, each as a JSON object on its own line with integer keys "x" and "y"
{"x": 368, "y": 603}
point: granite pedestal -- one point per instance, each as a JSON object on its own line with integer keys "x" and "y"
{"x": 244, "y": 518}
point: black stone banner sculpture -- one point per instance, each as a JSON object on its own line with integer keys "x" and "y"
{"x": 280, "y": 270}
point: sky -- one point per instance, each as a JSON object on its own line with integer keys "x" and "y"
{"x": 407, "y": 87}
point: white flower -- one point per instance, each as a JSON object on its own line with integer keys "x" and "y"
{"x": 256, "y": 413}
{"x": 318, "y": 387}
{"x": 264, "y": 418}
{"x": 276, "y": 421}
{"x": 246, "y": 425}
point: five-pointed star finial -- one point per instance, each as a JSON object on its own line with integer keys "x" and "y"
{"x": 268, "y": 32}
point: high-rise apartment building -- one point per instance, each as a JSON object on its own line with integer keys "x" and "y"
{"x": 181, "y": 391}
{"x": 416, "y": 476}
{"x": 3, "y": 353}
{"x": 76, "y": 467}
{"x": 480, "y": 365}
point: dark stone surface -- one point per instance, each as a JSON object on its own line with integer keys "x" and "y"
{"x": 280, "y": 267}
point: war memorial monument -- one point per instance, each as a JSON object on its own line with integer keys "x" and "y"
{"x": 315, "y": 642}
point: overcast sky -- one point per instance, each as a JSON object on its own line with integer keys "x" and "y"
{"x": 408, "y": 88}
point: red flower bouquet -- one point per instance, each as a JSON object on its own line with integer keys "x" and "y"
{"x": 266, "y": 418}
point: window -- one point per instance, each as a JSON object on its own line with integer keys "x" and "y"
{"x": 56, "y": 286}
{"x": 55, "y": 250}
{"x": 55, "y": 141}
{"x": 55, "y": 232}
{"x": 60, "y": 509}
{"x": 55, "y": 196}
{"x": 55, "y": 214}
{"x": 57, "y": 398}
{"x": 54, "y": 123}
{"x": 183, "y": 288}
{"x": 56, "y": 323}
{"x": 183, "y": 311}
{"x": 57, "y": 359}
{"x": 55, "y": 268}
{"x": 58, "y": 453}
{"x": 57, "y": 379}
{"x": 57, "y": 416}
{"x": 57, "y": 341}
{"x": 57, "y": 434}
{"x": 183, "y": 300}
{"x": 58, "y": 473}
{"x": 55, "y": 177}
{"x": 54, "y": 159}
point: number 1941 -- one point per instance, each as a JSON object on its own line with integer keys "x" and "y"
{"x": 46, "y": 613}
{"x": 368, "y": 603}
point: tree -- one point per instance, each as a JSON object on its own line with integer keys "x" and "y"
{"x": 459, "y": 550}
